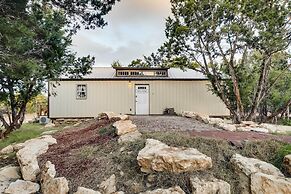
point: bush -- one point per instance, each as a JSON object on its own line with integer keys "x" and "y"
{"x": 285, "y": 122}
{"x": 107, "y": 131}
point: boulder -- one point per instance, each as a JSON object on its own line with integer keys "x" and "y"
{"x": 283, "y": 129}
{"x": 27, "y": 156}
{"x": 4, "y": 185}
{"x": 18, "y": 146}
{"x": 157, "y": 156}
{"x": 172, "y": 190}
{"x": 287, "y": 163}
{"x": 111, "y": 115}
{"x": 7, "y": 150}
{"x": 215, "y": 121}
{"x": 249, "y": 166}
{"x": 246, "y": 167}
{"x": 129, "y": 137}
{"x": 124, "y": 126}
{"x": 269, "y": 184}
{"x": 198, "y": 116}
{"x": 50, "y": 184}
{"x": 22, "y": 187}
{"x": 9, "y": 173}
{"x": 226, "y": 126}
{"x": 108, "y": 186}
{"x": 214, "y": 186}
{"x": 49, "y": 125}
{"x": 255, "y": 129}
{"x": 49, "y": 132}
{"x": 82, "y": 190}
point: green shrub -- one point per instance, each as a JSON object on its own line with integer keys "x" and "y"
{"x": 285, "y": 122}
{"x": 283, "y": 151}
{"x": 107, "y": 131}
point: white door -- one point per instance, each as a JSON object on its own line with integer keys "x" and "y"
{"x": 142, "y": 106}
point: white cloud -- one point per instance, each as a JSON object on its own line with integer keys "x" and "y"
{"x": 135, "y": 28}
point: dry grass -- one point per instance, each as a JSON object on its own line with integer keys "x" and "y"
{"x": 88, "y": 165}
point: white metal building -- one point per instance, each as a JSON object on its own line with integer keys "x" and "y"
{"x": 136, "y": 91}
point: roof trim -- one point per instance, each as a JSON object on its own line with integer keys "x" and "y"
{"x": 131, "y": 79}
{"x": 141, "y": 68}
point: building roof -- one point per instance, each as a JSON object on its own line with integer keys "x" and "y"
{"x": 108, "y": 73}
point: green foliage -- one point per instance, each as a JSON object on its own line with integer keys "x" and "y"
{"x": 283, "y": 151}
{"x": 139, "y": 63}
{"x": 32, "y": 105}
{"x": 26, "y": 132}
{"x": 285, "y": 122}
{"x": 107, "y": 131}
{"x": 216, "y": 38}
{"x": 116, "y": 64}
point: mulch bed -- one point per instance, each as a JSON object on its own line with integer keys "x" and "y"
{"x": 241, "y": 136}
{"x": 63, "y": 154}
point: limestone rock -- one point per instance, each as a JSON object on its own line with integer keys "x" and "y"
{"x": 269, "y": 184}
{"x": 27, "y": 156}
{"x": 214, "y": 121}
{"x": 249, "y": 166}
{"x": 255, "y": 129}
{"x": 50, "y": 184}
{"x": 172, "y": 190}
{"x": 82, "y": 190}
{"x": 226, "y": 126}
{"x": 214, "y": 186}
{"x": 283, "y": 129}
{"x": 246, "y": 167}
{"x": 111, "y": 115}
{"x": 108, "y": 186}
{"x": 22, "y": 187}
{"x": 7, "y": 150}
{"x": 49, "y": 125}
{"x": 157, "y": 156}
{"x": 4, "y": 185}
{"x": 287, "y": 163}
{"x": 9, "y": 173}
{"x": 129, "y": 137}
{"x": 18, "y": 146}
{"x": 49, "y": 132}
{"x": 124, "y": 126}
{"x": 198, "y": 116}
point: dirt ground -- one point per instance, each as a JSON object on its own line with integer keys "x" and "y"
{"x": 196, "y": 128}
{"x": 88, "y": 154}
{"x": 169, "y": 123}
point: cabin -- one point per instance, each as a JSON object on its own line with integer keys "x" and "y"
{"x": 133, "y": 91}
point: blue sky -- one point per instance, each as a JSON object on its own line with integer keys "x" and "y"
{"x": 135, "y": 28}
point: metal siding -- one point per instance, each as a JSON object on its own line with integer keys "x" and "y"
{"x": 118, "y": 96}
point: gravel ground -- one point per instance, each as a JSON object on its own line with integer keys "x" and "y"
{"x": 169, "y": 123}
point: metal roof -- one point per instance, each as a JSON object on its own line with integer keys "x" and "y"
{"x": 108, "y": 73}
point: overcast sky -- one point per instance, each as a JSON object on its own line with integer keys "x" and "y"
{"x": 135, "y": 28}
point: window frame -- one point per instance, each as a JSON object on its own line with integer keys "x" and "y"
{"x": 86, "y": 92}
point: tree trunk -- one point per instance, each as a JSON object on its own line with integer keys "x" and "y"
{"x": 260, "y": 88}
{"x": 278, "y": 111}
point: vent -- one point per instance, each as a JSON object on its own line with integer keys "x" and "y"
{"x": 43, "y": 120}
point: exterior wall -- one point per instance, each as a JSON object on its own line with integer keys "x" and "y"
{"x": 118, "y": 96}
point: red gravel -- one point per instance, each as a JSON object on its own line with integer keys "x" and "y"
{"x": 62, "y": 153}
{"x": 240, "y": 136}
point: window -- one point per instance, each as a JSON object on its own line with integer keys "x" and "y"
{"x": 81, "y": 92}
{"x": 123, "y": 73}
{"x": 161, "y": 73}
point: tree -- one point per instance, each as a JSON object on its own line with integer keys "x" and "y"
{"x": 217, "y": 36}
{"x": 116, "y": 64}
{"x": 87, "y": 13}
{"x": 34, "y": 47}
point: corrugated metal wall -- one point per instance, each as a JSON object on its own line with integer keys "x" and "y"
{"x": 118, "y": 96}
